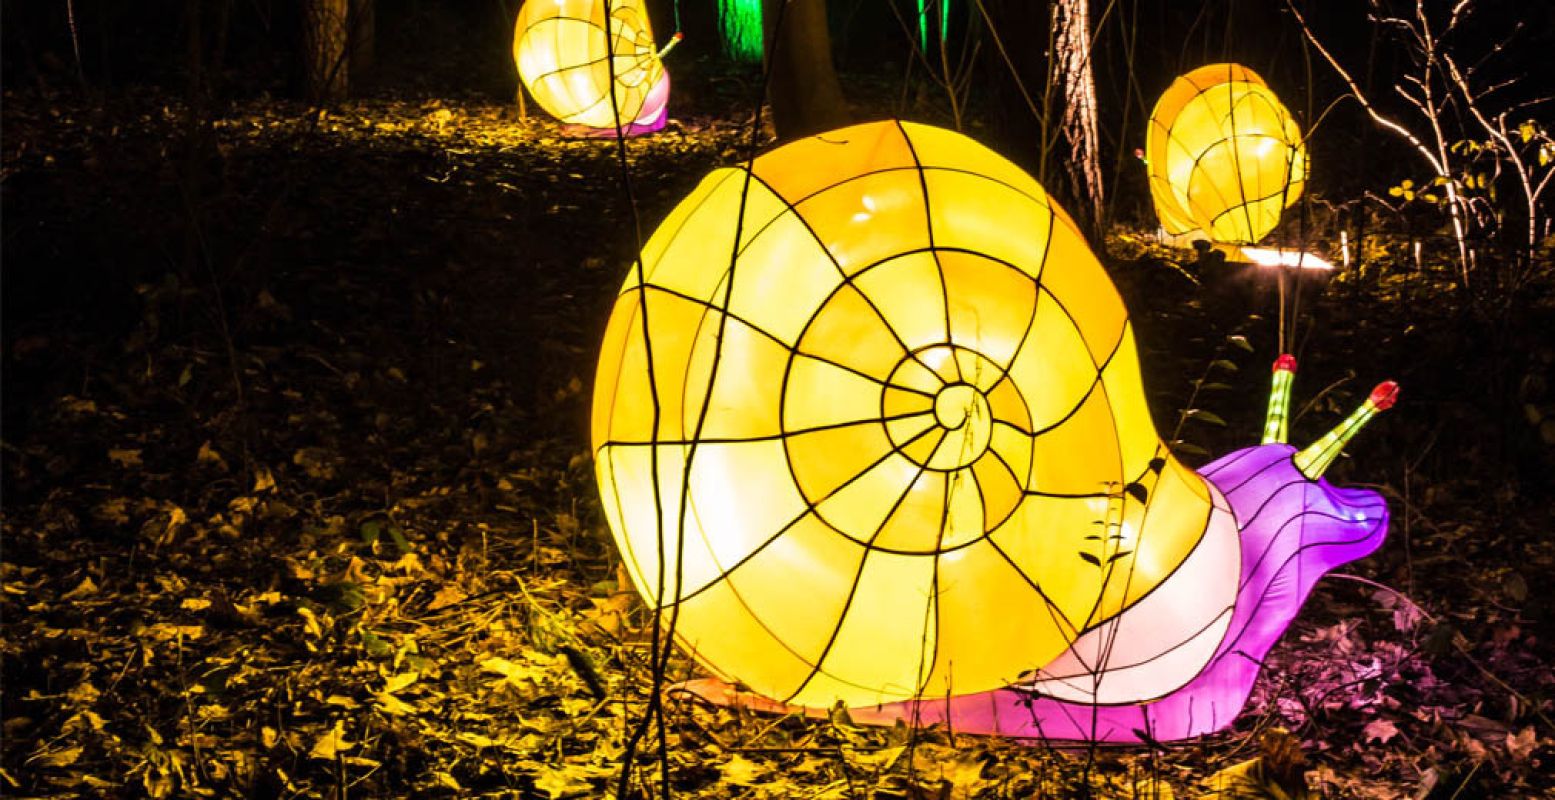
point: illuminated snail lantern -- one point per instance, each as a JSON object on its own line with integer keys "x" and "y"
{"x": 564, "y": 60}
{"x": 1225, "y": 157}
{"x": 878, "y": 409}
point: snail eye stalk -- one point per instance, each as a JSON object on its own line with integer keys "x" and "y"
{"x": 674, "y": 40}
{"x": 1277, "y": 420}
{"x": 1315, "y": 460}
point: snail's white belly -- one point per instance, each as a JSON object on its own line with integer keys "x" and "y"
{"x": 1163, "y": 641}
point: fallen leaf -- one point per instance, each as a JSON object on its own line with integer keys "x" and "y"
{"x": 85, "y": 718}
{"x": 476, "y": 739}
{"x": 310, "y": 622}
{"x": 395, "y": 683}
{"x": 85, "y": 588}
{"x": 1248, "y": 780}
{"x": 331, "y": 743}
{"x": 878, "y": 760}
{"x": 57, "y": 758}
{"x": 208, "y": 455}
{"x": 516, "y": 675}
{"x": 559, "y": 781}
{"x": 389, "y": 704}
{"x": 164, "y": 632}
{"x": 741, "y": 771}
{"x": 125, "y": 458}
{"x": 964, "y": 770}
{"x": 1522, "y": 744}
{"x": 445, "y": 597}
{"x": 1380, "y": 730}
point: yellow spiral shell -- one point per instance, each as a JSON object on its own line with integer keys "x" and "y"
{"x": 563, "y": 59}
{"x": 1225, "y": 157}
{"x": 897, "y": 445}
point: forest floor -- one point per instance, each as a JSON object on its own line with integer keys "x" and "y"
{"x": 299, "y": 497}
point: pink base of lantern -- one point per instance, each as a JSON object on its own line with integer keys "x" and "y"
{"x": 652, "y": 118}
{"x": 1292, "y": 531}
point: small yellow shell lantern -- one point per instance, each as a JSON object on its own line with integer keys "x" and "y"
{"x": 869, "y": 413}
{"x": 1225, "y": 157}
{"x": 563, "y": 59}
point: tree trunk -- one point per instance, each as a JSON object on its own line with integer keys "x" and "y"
{"x": 1044, "y": 99}
{"x": 1077, "y": 85}
{"x": 326, "y": 36}
{"x": 803, "y": 89}
{"x": 362, "y": 39}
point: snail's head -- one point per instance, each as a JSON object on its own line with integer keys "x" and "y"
{"x": 1294, "y": 525}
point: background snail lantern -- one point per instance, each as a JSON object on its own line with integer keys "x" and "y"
{"x": 897, "y": 448}
{"x": 1225, "y": 158}
{"x": 564, "y": 60}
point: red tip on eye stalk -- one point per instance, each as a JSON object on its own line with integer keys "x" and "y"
{"x": 1285, "y": 363}
{"x": 1384, "y": 396}
{"x": 678, "y": 36}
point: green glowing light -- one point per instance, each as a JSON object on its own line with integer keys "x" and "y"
{"x": 739, "y": 22}
{"x": 926, "y": 14}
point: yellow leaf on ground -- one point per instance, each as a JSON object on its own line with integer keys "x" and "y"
{"x": 83, "y": 693}
{"x": 501, "y": 666}
{"x": 476, "y": 739}
{"x": 395, "y": 683}
{"x": 83, "y": 719}
{"x": 1249, "y": 780}
{"x": 331, "y": 743}
{"x": 741, "y": 771}
{"x": 881, "y": 759}
{"x": 559, "y": 781}
{"x": 389, "y": 704}
{"x": 164, "y": 631}
{"x": 85, "y": 588}
{"x": 310, "y": 622}
{"x": 208, "y": 455}
{"x": 58, "y": 758}
{"x": 512, "y": 673}
{"x": 445, "y": 597}
{"x": 125, "y": 458}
